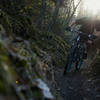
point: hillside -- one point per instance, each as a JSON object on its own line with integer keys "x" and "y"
{"x": 33, "y": 53}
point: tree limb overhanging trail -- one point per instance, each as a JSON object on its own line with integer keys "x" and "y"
{"x": 75, "y": 8}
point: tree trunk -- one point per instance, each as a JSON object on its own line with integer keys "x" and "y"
{"x": 42, "y": 13}
{"x": 54, "y": 15}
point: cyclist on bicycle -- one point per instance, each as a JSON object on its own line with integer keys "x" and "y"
{"x": 78, "y": 51}
{"x": 89, "y": 26}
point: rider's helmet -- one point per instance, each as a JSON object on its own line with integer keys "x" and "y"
{"x": 78, "y": 38}
{"x": 89, "y": 36}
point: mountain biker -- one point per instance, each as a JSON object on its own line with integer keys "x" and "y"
{"x": 88, "y": 26}
{"x": 77, "y": 53}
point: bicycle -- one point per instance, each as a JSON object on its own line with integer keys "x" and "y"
{"x": 78, "y": 52}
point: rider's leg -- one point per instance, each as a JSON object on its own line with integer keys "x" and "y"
{"x": 76, "y": 65}
{"x": 80, "y": 63}
{"x": 65, "y": 68}
{"x": 68, "y": 65}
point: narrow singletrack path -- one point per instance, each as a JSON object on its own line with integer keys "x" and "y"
{"x": 76, "y": 85}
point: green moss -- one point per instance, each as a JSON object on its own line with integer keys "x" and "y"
{"x": 2, "y": 87}
{"x": 37, "y": 93}
{"x": 6, "y": 22}
{"x": 7, "y": 71}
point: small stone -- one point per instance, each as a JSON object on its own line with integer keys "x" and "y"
{"x": 71, "y": 88}
{"x": 97, "y": 96}
{"x": 89, "y": 80}
{"x": 58, "y": 89}
{"x": 88, "y": 89}
{"x": 85, "y": 98}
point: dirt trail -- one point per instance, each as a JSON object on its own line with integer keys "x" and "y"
{"x": 77, "y": 85}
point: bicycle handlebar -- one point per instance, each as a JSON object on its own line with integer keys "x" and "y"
{"x": 91, "y": 36}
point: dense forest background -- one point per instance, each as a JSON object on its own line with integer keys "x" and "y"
{"x": 34, "y": 44}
